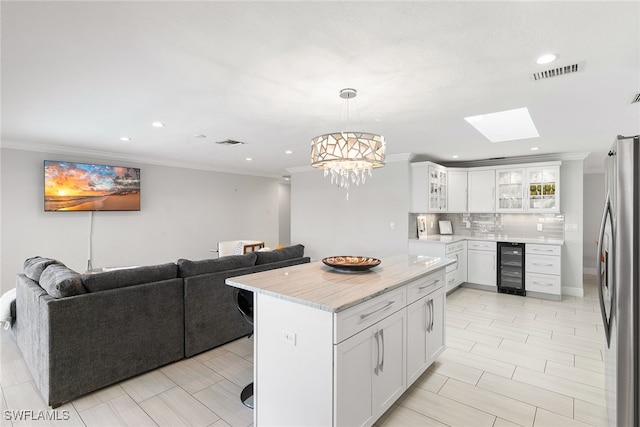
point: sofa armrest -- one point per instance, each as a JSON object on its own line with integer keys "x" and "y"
{"x": 93, "y": 340}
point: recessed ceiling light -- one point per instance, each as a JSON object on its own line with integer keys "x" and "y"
{"x": 125, "y": 139}
{"x": 534, "y": 148}
{"x": 455, "y": 156}
{"x": 546, "y": 58}
{"x": 199, "y": 136}
{"x": 288, "y": 152}
{"x": 248, "y": 159}
{"x": 507, "y": 125}
{"x": 157, "y": 124}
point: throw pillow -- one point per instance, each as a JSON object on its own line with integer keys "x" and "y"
{"x": 60, "y": 281}
{"x": 290, "y": 252}
{"x": 33, "y": 267}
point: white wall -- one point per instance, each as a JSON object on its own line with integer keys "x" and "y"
{"x": 327, "y": 224}
{"x": 184, "y": 213}
{"x": 285, "y": 214}
{"x": 571, "y": 204}
{"x": 593, "y": 205}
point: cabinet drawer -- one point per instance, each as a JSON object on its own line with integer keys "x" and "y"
{"x": 454, "y": 247}
{"x": 543, "y": 264}
{"x": 480, "y": 245}
{"x": 544, "y": 283}
{"x": 352, "y": 320}
{"x": 543, "y": 249}
{"x": 424, "y": 286}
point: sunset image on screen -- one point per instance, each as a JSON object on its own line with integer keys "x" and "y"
{"x": 81, "y": 186}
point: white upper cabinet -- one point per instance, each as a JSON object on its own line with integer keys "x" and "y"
{"x": 457, "y": 187}
{"x": 481, "y": 190}
{"x": 428, "y": 187}
{"x": 543, "y": 185}
{"x": 510, "y": 184}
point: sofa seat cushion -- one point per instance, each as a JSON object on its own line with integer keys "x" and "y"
{"x": 121, "y": 278}
{"x": 295, "y": 251}
{"x": 60, "y": 281}
{"x": 187, "y": 268}
{"x": 33, "y": 267}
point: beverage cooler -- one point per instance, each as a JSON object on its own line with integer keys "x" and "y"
{"x": 511, "y": 268}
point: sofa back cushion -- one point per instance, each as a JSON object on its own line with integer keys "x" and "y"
{"x": 60, "y": 281}
{"x": 187, "y": 268}
{"x": 33, "y": 267}
{"x": 295, "y": 251}
{"x": 121, "y": 278}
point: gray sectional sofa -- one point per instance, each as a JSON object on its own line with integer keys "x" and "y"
{"x": 81, "y": 332}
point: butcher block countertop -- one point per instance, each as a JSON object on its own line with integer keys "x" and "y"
{"x": 320, "y": 286}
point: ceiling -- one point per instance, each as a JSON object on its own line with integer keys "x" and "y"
{"x": 77, "y": 76}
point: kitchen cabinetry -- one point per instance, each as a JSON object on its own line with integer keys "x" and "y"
{"x": 425, "y": 327}
{"x": 344, "y": 334}
{"x": 428, "y": 187}
{"x": 481, "y": 190}
{"x": 456, "y": 274}
{"x": 481, "y": 263}
{"x": 370, "y": 371}
{"x": 543, "y": 270}
{"x": 510, "y": 190}
{"x": 543, "y": 188}
{"x": 457, "y": 190}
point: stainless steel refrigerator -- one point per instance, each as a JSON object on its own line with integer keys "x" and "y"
{"x": 618, "y": 269}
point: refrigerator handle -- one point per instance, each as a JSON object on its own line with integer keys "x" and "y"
{"x": 606, "y": 322}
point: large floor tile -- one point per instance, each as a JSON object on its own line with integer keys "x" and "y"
{"x": 146, "y": 385}
{"x": 121, "y": 411}
{"x": 223, "y": 398}
{"x": 232, "y": 367}
{"x": 403, "y": 417}
{"x": 176, "y": 407}
{"x": 482, "y": 363}
{"x": 191, "y": 375}
{"x": 560, "y": 385}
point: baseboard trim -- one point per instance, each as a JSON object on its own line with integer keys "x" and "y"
{"x": 574, "y": 292}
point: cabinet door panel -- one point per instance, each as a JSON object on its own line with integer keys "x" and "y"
{"x": 391, "y": 380}
{"x": 481, "y": 191}
{"x": 354, "y": 379}
{"x": 417, "y": 357}
{"x": 481, "y": 267}
{"x": 436, "y": 340}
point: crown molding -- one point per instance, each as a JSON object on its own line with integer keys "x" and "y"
{"x": 517, "y": 160}
{"x": 108, "y": 155}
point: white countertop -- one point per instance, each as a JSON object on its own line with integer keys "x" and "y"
{"x": 317, "y": 285}
{"x": 452, "y": 238}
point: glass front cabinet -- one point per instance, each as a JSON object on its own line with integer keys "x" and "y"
{"x": 528, "y": 189}
{"x": 428, "y": 187}
{"x": 543, "y": 189}
{"x": 510, "y": 190}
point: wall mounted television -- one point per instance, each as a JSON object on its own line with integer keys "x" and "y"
{"x": 73, "y": 186}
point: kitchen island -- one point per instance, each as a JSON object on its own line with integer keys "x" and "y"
{"x": 336, "y": 348}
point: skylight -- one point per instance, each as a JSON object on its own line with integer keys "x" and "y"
{"x": 507, "y": 125}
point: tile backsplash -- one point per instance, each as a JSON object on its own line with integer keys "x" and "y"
{"x": 489, "y": 224}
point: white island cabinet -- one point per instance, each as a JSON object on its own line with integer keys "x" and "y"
{"x": 339, "y": 349}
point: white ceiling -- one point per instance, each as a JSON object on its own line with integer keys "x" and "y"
{"x": 76, "y": 76}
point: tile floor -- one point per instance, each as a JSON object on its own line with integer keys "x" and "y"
{"x": 510, "y": 361}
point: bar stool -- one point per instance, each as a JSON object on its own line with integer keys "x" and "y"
{"x": 244, "y": 302}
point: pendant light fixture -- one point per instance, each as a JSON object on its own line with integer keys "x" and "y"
{"x": 348, "y": 156}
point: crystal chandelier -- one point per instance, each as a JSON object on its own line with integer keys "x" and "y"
{"x": 348, "y": 156}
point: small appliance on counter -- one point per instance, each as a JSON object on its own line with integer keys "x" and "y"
{"x": 422, "y": 226}
{"x": 511, "y": 268}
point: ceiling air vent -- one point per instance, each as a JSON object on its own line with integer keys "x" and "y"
{"x": 636, "y": 98}
{"x": 230, "y": 142}
{"x": 555, "y": 72}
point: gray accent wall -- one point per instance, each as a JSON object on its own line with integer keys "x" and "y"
{"x": 593, "y": 207}
{"x": 327, "y": 224}
{"x": 184, "y": 213}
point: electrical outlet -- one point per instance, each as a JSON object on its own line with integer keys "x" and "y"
{"x": 539, "y": 227}
{"x": 289, "y": 337}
